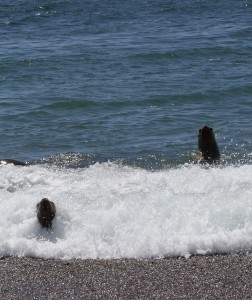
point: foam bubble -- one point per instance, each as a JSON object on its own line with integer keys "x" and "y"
{"x": 113, "y": 211}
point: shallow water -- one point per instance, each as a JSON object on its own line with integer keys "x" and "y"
{"x": 113, "y": 211}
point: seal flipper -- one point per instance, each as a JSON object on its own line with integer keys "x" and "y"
{"x": 12, "y": 161}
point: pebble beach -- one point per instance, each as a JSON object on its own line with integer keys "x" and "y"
{"x": 198, "y": 277}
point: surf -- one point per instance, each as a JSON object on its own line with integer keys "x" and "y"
{"x": 109, "y": 210}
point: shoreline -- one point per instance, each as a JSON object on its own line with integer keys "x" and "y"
{"x": 225, "y": 276}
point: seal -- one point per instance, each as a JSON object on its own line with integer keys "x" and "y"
{"x": 12, "y": 161}
{"x": 207, "y": 144}
{"x": 46, "y": 211}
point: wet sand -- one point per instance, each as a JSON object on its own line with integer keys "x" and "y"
{"x": 199, "y": 277}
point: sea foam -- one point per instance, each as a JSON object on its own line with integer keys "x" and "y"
{"x": 113, "y": 211}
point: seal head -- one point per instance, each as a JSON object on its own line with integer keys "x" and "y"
{"x": 46, "y": 211}
{"x": 207, "y": 144}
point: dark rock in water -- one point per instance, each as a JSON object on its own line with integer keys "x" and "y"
{"x": 207, "y": 144}
{"x": 46, "y": 211}
{"x": 12, "y": 161}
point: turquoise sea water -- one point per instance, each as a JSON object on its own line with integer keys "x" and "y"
{"x": 94, "y": 94}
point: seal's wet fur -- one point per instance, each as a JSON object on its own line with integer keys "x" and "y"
{"x": 46, "y": 211}
{"x": 207, "y": 144}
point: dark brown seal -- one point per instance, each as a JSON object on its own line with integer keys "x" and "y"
{"x": 208, "y": 145}
{"x": 46, "y": 211}
{"x": 12, "y": 161}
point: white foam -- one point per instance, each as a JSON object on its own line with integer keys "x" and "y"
{"x": 111, "y": 211}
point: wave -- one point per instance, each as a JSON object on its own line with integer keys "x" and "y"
{"x": 108, "y": 210}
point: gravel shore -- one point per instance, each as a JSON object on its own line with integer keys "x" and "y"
{"x": 199, "y": 277}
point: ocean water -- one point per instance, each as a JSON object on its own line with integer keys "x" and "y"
{"x": 104, "y": 100}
